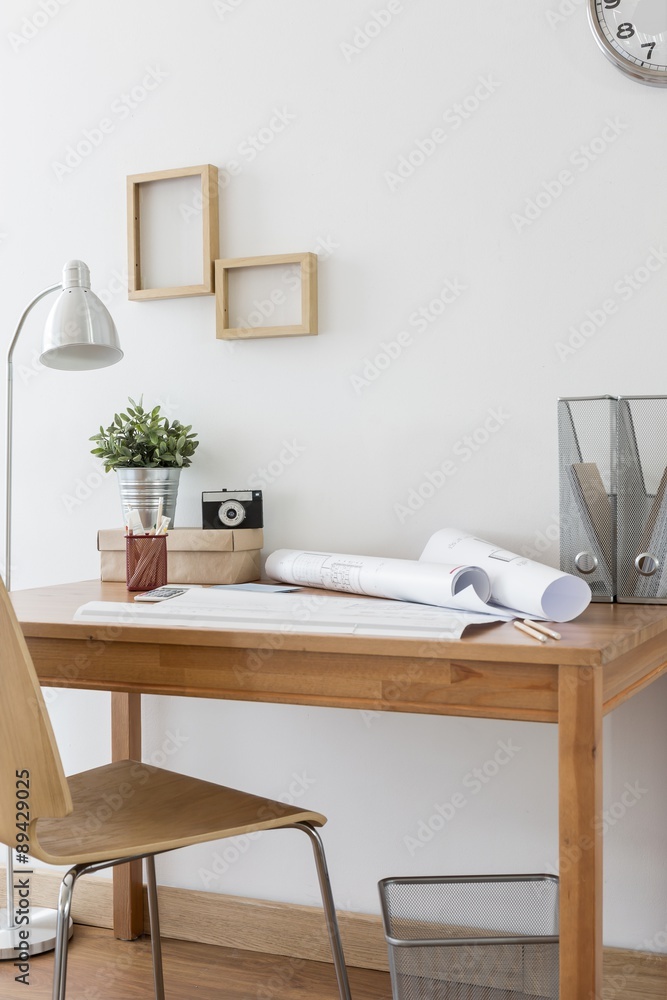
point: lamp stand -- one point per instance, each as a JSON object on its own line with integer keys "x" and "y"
{"x": 79, "y": 335}
{"x": 42, "y": 920}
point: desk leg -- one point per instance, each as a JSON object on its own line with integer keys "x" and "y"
{"x": 128, "y": 898}
{"x": 580, "y": 810}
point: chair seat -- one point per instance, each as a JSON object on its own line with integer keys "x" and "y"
{"x": 129, "y": 808}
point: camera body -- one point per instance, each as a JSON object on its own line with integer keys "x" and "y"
{"x": 229, "y": 509}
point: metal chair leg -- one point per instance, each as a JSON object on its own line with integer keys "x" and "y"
{"x": 329, "y": 909}
{"x": 156, "y": 947}
{"x": 62, "y": 933}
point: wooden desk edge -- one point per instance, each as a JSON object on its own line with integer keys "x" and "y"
{"x": 599, "y": 636}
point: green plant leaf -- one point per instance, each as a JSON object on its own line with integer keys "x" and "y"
{"x": 143, "y": 438}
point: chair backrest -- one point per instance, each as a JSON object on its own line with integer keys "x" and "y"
{"x": 30, "y": 767}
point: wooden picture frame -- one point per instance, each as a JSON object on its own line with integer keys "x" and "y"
{"x": 308, "y": 325}
{"x": 209, "y": 196}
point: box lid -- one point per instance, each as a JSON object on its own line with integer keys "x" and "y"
{"x": 191, "y": 539}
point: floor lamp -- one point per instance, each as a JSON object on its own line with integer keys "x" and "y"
{"x": 79, "y": 335}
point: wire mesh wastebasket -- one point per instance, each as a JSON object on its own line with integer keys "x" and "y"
{"x": 483, "y": 937}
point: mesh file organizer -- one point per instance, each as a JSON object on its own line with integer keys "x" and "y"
{"x": 588, "y": 484}
{"x": 642, "y": 499}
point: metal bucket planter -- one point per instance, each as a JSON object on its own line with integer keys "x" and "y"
{"x": 142, "y": 489}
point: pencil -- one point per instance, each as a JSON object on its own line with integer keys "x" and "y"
{"x": 530, "y": 631}
{"x": 539, "y": 627}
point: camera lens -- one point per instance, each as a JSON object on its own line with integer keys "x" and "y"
{"x": 231, "y": 513}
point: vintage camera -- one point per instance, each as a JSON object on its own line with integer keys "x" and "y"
{"x": 232, "y": 509}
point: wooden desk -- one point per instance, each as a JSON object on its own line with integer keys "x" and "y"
{"x": 606, "y": 656}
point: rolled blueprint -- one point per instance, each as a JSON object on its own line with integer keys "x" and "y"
{"x": 448, "y": 586}
{"x": 517, "y": 583}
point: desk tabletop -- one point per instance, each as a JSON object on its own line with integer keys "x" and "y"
{"x": 602, "y": 634}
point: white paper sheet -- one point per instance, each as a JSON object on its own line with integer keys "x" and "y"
{"x": 364, "y": 616}
{"x": 528, "y": 587}
{"x": 450, "y": 586}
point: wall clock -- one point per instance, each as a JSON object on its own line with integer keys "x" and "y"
{"x": 633, "y": 34}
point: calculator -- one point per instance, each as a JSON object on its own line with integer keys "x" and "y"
{"x": 160, "y": 594}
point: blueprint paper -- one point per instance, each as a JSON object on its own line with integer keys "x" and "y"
{"x": 462, "y": 586}
{"x": 295, "y": 612}
{"x": 529, "y": 588}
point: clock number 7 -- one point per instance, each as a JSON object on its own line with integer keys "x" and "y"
{"x": 650, "y": 46}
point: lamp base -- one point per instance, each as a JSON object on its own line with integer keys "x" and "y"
{"x": 42, "y": 933}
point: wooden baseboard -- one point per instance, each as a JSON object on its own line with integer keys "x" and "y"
{"x": 298, "y": 931}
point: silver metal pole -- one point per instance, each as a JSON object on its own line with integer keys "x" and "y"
{"x": 10, "y": 432}
{"x": 75, "y": 275}
{"x": 11, "y": 925}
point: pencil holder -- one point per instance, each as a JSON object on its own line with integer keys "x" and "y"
{"x": 587, "y": 487}
{"x": 145, "y": 561}
{"x": 642, "y": 499}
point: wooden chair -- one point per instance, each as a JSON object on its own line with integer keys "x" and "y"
{"x": 143, "y": 810}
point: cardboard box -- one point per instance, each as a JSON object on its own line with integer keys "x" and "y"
{"x": 194, "y": 555}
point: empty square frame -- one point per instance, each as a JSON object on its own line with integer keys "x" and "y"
{"x": 199, "y": 209}
{"x": 308, "y": 324}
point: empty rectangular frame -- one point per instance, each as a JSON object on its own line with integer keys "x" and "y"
{"x": 209, "y": 221}
{"x": 308, "y": 325}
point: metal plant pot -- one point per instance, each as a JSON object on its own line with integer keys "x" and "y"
{"x": 142, "y": 489}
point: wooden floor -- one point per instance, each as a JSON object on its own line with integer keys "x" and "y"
{"x": 102, "y": 968}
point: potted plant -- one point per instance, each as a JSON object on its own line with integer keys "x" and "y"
{"x": 147, "y": 453}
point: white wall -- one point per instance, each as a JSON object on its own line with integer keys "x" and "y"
{"x": 219, "y": 73}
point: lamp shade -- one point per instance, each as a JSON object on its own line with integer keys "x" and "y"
{"x": 79, "y": 334}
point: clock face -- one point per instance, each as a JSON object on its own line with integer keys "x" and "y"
{"x": 633, "y": 34}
